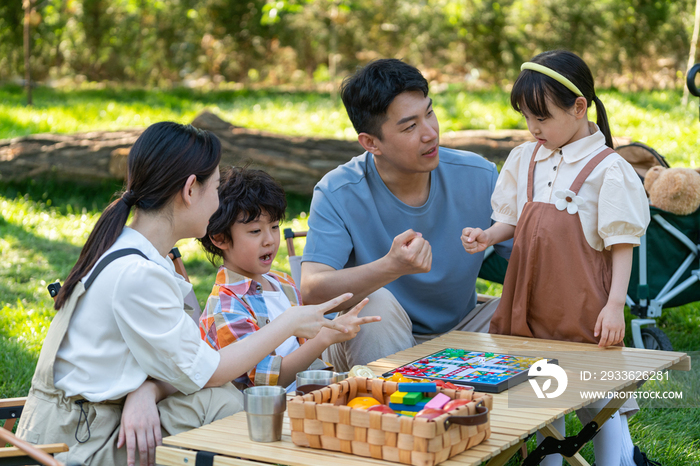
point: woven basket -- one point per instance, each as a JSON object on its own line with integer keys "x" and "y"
{"x": 320, "y": 419}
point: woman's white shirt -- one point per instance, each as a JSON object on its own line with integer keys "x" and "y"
{"x": 615, "y": 208}
{"x": 131, "y": 325}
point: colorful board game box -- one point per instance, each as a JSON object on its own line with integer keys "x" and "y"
{"x": 486, "y": 372}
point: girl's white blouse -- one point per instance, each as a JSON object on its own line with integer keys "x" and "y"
{"x": 615, "y": 208}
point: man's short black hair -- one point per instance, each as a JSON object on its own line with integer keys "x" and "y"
{"x": 368, "y": 93}
{"x": 244, "y": 195}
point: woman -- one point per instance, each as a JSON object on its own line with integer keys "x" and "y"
{"x": 121, "y": 341}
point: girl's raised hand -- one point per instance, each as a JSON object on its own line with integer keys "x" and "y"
{"x": 475, "y": 240}
{"x": 348, "y": 324}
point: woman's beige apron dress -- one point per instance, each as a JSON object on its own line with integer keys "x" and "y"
{"x": 556, "y": 284}
{"x": 91, "y": 429}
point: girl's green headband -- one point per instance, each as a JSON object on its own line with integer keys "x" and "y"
{"x": 552, "y": 74}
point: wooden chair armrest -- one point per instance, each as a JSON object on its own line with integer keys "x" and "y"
{"x": 49, "y": 448}
{"x": 22, "y": 448}
{"x": 12, "y": 402}
{"x": 10, "y": 411}
{"x": 289, "y": 236}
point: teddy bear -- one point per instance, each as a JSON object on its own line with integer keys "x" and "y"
{"x": 675, "y": 190}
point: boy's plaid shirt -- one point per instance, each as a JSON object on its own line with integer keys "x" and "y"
{"x": 226, "y": 319}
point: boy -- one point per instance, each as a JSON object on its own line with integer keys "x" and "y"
{"x": 247, "y": 295}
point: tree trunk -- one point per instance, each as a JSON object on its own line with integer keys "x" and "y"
{"x": 80, "y": 156}
{"x": 28, "y": 7}
{"x": 297, "y": 162}
{"x": 693, "y": 45}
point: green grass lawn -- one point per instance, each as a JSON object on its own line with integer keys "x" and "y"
{"x": 43, "y": 224}
{"x": 655, "y": 118}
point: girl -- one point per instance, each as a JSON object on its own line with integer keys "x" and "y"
{"x": 575, "y": 209}
{"x": 121, "y": 341}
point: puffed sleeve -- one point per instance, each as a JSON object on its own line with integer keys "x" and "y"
{"x": 504, "y": 200}
{"x": 623, "y": 208}
{"x": 328, "y": 240}
{"x": 164, "y": 340}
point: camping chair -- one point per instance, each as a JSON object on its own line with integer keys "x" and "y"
{"x": 294, "y": 260}
{"x": 25, "y": 453}
{"x": 665, "y": 268}
{"x": 493, "y": 269}
{"x": 22, "y": 452}
{"x": 190, "y": 299}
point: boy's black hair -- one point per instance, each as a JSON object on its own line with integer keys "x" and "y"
{"x": 244, "y": 195}
{"x": 532, "y": 88}
{"x": 368, "y": 93}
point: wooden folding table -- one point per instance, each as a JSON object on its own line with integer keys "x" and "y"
{"x": 513, "y": 421}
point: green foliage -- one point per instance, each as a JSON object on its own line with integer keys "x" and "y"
{"x": 284, "y": 41}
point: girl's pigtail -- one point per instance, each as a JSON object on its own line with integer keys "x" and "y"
{"x": 602, "y": 121}
{"x": 103, "y": 236}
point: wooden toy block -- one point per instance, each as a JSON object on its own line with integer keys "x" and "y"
{"x": 427, "y": 387}
{"x": 411, "y": 398}
{"x": 397, "y": 397}
{"x": 404, "y": 407}
{"x": 438, "y": 401}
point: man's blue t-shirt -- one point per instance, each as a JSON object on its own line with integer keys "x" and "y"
{"x": 354, "y": 219}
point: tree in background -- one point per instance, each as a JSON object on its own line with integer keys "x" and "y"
{"x": 163, "y": 42}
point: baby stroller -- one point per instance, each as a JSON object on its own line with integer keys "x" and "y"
{"x": 666, "y": 267}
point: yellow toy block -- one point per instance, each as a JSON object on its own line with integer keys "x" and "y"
{"x": 397, "y": 397}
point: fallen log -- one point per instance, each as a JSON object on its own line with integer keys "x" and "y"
{"x": 79, "y": 156}
{"x": 297, "y": 162}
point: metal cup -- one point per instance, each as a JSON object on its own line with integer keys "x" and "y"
{"x": 265, "y": 406}
{"x": 308, "y": 381}
{"x": 316, "y": 378}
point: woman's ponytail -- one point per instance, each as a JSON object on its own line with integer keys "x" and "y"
{"x": 107, "y": 229}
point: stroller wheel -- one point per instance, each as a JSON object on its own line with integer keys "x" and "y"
{"x": 655, "y": 339}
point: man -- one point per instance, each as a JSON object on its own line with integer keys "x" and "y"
{"x": 387, "y": 224}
